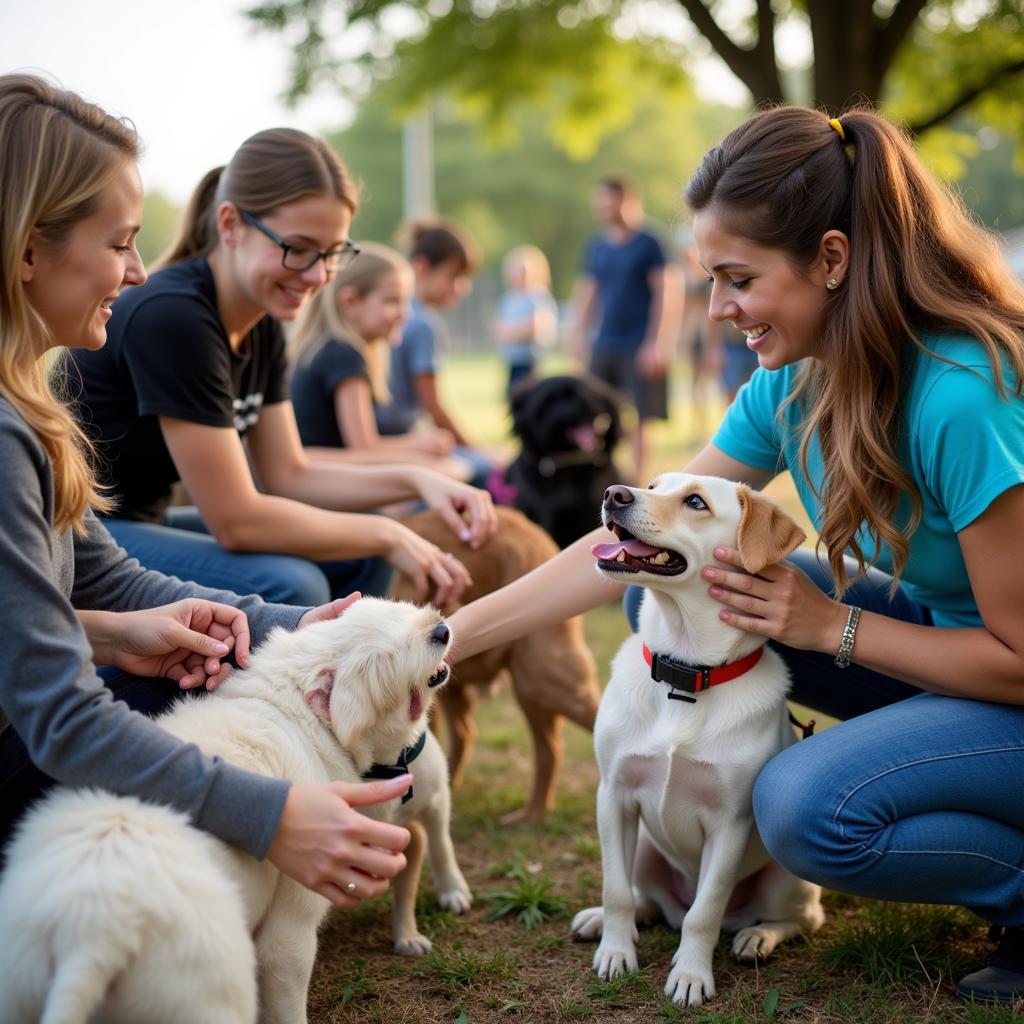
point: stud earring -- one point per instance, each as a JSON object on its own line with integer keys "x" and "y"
{"x": 832, "y": 284}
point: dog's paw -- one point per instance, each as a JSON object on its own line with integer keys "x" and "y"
{"x": 611, "y": 962}
{"x": 588, "y": 924}
{"x": 690, "y": 985}
{"x": 413, "y": 945}
{"x": 754, "y": 943}
{"x": 523, "y": 816}
{"x": 456, "y": 900}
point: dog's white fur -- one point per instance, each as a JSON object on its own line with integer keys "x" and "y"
{"x": 119, "y": 911}
{"x": 674, "y": 808}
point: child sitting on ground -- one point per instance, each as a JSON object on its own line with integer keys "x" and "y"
{"x": 526, "y": 318}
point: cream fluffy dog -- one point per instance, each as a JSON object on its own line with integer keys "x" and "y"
{"x": 118, "y": 909}
{"x": 674, "y": 805}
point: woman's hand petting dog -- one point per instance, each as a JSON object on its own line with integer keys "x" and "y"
{"x": 435, "y": 574}
{"x": 185, "y": 642}
{"x": 328, "y": 846}
{"x": 467, "y": 511}
{"x": 780, "y": 602}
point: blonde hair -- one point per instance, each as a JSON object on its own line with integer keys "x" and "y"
{"x": 536, "y": 271}
{"x": 917, "y": 263}
{"x": 323, "y": 319}
{"x": 269, "y": 170}
{"x": 57, "y": 155}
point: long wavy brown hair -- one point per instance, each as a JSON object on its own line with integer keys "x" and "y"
{"x": 917, "y": 263}
{"x": 57, "y": 155}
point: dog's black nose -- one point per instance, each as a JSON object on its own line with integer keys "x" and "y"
{"x": 617, "y": 496}
{"x": 440, "y": 633}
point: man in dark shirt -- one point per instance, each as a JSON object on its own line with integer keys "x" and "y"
{"x": 621, "y": 288}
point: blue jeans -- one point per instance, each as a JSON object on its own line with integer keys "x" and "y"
{"x": 182, "y": 547}
{"x": 480, "y": 467}
{"x": 917, "y": 798}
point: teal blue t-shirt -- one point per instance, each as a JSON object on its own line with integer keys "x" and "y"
{"x": 961, "y": 443}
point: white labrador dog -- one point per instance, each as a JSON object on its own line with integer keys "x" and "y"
{"x": 115, "y": 910}
{"x": 674, "y": 805}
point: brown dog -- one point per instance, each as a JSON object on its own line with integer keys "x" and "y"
{"x": 553, "y": 672}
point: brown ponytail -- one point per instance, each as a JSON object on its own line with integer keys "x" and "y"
{"x": 917, "y": 262}
{"x": 269, "y": 170}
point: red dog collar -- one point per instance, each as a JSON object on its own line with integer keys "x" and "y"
{"x": 695, "y": 678}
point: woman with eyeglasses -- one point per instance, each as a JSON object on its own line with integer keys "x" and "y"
{"x": 191, "y": 387}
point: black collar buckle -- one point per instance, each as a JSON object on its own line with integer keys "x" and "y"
{"x": 680, "y": 677}
{"x": 393, "y": 771}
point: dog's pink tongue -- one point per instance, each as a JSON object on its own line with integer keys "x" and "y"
{"x": 634, "y": 547}
{"x": 415, "y": 705}
{"x": 584, "y": 437}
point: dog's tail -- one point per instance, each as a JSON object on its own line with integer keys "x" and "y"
{"x": 80, "y": 985}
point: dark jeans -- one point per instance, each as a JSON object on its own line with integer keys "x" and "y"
{"x": 182, "y": 547}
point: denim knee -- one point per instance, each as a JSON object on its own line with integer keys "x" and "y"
{"x": 295, "y": 581}
{"x": 793, "y": 815}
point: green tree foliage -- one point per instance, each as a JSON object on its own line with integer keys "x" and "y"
{"x": 522, "y": 188}
{"x": 159, "y": 221}
{"x": 925, "y": 60}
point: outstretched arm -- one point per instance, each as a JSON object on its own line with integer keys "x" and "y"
{"x": 566, "y": 585}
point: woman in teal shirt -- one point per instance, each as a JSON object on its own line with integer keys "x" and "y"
{"x": 890, "y": 338}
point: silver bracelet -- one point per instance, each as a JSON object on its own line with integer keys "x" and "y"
{"x": 849, "y": 635}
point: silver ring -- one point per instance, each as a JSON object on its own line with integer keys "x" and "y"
{"x": 350, "y": 888}
{"x": 448, "y": 554}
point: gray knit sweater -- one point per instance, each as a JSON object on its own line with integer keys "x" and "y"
{"x": 49, "y": 690}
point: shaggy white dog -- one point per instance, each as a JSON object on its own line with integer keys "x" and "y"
{"x": 674, "y": 810}
{"x": 116, "y": 911}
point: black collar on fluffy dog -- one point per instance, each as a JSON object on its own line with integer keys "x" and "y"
{"x": 568, "y": 428}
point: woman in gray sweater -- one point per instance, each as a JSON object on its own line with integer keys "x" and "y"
{"x": 70, "y": 206}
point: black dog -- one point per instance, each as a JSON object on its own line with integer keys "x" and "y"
{"x": 568, "y": 428}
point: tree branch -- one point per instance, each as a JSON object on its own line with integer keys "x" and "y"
{"x": 748, "y": 65}
{"x": 891, "y": 33}
{"x": 967, "y": 97}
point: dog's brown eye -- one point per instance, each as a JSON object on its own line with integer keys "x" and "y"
{"x": 696, "y": 502}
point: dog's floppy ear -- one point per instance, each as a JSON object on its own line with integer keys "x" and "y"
{"x": 766, "y": 534}
{"x": 359, "y": 702}
{"x": 319, "y": 697}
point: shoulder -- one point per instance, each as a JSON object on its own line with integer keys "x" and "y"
{"x": 176, "y": 296}
{"x": 959, "y": 380}
{"x": 18, "y": 442}
{"x": 648, "y": 243}
{"x": 341, "y": 354}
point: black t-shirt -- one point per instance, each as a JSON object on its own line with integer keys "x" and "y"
{"x": 313, "y": 383}
{"x": 167, "y": 354}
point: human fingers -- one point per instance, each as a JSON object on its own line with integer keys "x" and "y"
{"x": 451, "y": 578}
{"x": 444, "y": 584}
{"x": 737, "y": 582}
{"x": 451, "y": 518}
{"x": 377, "y": 791}
{"x": 483, "y": 519}
{"x": 178, "y": 635}
{"x": 334, "y": 893}
{"x": 228, "y": 617}
{"x": 189, "y": 672}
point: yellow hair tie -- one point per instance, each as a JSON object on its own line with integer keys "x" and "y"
{"x": 834, "y": 123}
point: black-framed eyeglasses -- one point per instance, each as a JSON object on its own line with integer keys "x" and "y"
{"x": 302, "y": 257}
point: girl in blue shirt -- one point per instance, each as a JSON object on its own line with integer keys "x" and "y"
{"x": 890, "y": 338}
